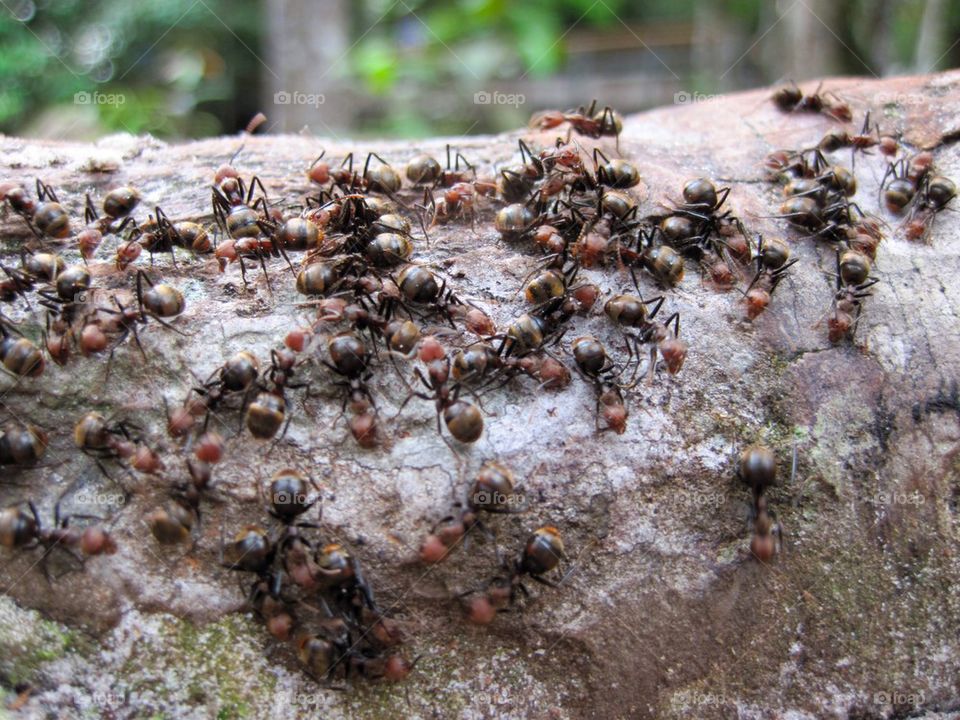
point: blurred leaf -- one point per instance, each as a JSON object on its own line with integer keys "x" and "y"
{"x": 538, "y": 37}
{"x": 376, "y": 63}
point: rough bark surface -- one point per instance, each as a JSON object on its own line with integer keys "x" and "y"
{"x": 665, "y": 614}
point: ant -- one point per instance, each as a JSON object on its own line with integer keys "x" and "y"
{"x": 159, "y": 235}
{"x": 269, "y": 408}
{"x": 541, "y": 553}
{"x": 863, "y": 141}
{"x": 773, "y": 262}
{"x": 463, "y": 419}
{"x": 338, "y": 571}
{"x": 118, "y": 204}
{"x": 417, "y": 285}
{"x": 174, "y": 522}
{"x": 584, "y": 121}
{"x": 757, "y": 468}
{"x": 101, "y": 439}
{"x": 425, "y": 170}
{"x": 630, "y": 311}
{"x": 350, "y": 359}
{"x": 934, "y": 193}
{"x": 853, "y": 287}
{"x": 157, "y": 302}
{"x": 20, "y": 530}
{"x": 236, "y": 377}
{"x": 19, "y": 356}
{"x": 22, "y": 445}
{"x": 548, "y": 284}
{"x": 660, "y": 260}
{"x": 595, "y": 366}
{"x": 617, "y": 173}
{"x": 516, "y": 222}
{"x": 493, "y": 491}
{"x": 289, "y": 500}
{"x": 791, "y": 98}
{"x": 45, "y": 216}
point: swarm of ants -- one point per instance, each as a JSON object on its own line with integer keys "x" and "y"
{"x": 370, "y": 307}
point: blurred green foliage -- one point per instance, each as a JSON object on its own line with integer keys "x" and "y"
{"x": 189, "y": 68}
{"x": 171, "y": 68}
{"x": 490, "y": 38}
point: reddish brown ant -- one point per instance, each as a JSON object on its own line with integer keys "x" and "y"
{"x": 773, "y": 262}
{"x": 853, "y": 287}
{"x": 493, "y": 491}
{"x": 20, "y": 530}
{"x": 584, "y": 121}
{"x": 463, "y": 419}
{"x": 541, "y": 553}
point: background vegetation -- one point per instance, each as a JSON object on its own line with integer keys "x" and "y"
{"x": 410, "y": 67}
